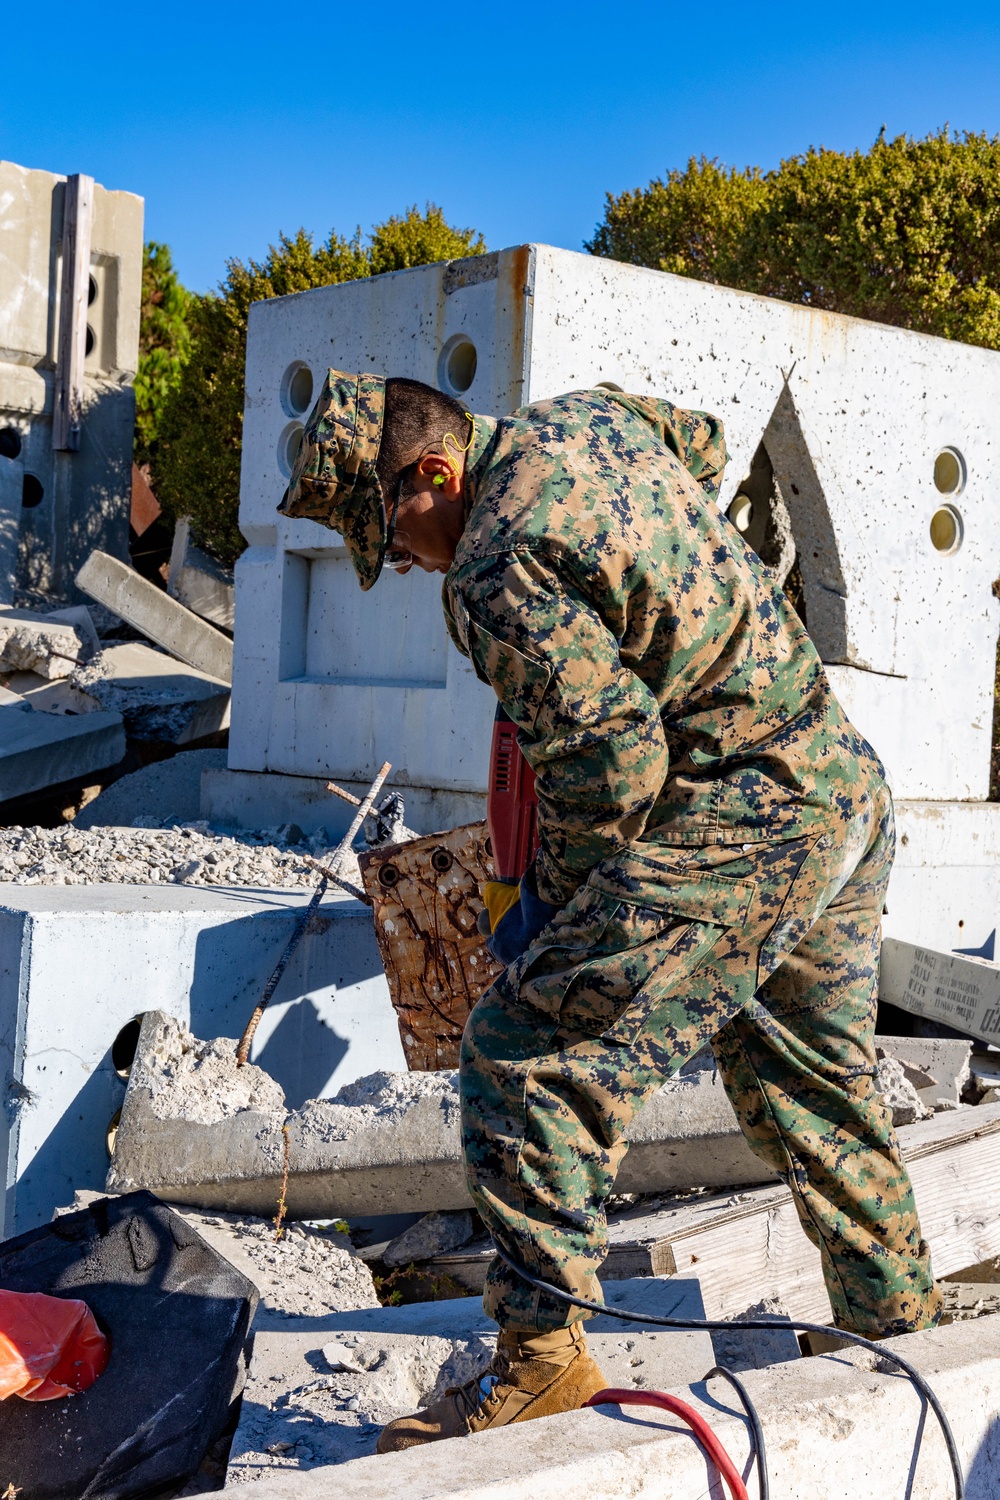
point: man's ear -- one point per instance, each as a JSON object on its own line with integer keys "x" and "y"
{"x": 437, "y": 471}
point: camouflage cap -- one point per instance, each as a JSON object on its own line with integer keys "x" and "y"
{"x": 334, "y": 479}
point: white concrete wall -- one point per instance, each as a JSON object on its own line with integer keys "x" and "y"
{"x": 85, "y": 499}
{"x": 852, "y": 414}
{"x": 76, "y": 964}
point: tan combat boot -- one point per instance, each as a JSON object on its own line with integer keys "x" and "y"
{"x": 531, "y": 1375}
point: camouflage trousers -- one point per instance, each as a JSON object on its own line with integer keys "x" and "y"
{"x": 768, "y": 951}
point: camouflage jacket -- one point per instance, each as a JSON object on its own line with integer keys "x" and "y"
{"x": 663, "y": 685}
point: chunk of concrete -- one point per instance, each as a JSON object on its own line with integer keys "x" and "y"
{"x": 81, "y": 961}
{"x": 152, "y": 611}
{"x": 389, "y": 1143}
{"x": 898, "y": 1091}
{"x": 39, "y": 750}
{"x": 31, "y": 642}
{"x": 945, "y": 1059}
{"x": 177, "y": 1315}
{"x": 50, "y": 695}
{"x": 303, "y": 1409}
{"x": 434, "y": 1234}
{"x": 165, "y": 790}
{"x": 198, "y": 581}
{"x": 159, "y": 698}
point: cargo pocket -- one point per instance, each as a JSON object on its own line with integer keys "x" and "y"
{"x": 631, "y": 934}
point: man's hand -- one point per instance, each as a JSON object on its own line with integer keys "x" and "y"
{"x": 514, "y": 916}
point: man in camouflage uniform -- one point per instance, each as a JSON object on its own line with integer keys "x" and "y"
{"x": 715, "y": 845}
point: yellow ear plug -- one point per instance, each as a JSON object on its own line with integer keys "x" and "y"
{"x": 438, "y": 479}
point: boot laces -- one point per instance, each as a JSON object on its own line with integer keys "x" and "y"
{"x": 476, "y": 1394}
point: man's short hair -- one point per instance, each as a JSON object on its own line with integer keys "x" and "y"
{"x": 417, "y": 418}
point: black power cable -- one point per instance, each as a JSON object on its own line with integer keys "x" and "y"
{"x": 716, "y": 1325}
{"x": 756, "y": 1426}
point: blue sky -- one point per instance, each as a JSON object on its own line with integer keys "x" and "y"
{"x": 235, "y": 123}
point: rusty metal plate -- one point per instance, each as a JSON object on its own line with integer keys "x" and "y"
{"x": 425, "y": 899}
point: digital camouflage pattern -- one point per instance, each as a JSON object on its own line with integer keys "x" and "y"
{"x": 717, "y": 836}
{"x": 333, "y": 479}
{"x": 660, "y": 680}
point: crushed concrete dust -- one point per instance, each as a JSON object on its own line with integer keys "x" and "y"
{"x": 183, "y": 854}
{"x": 201, "y": 1081}
{"x": 380, "y": 1099}
{"x": 309, "y": 1272}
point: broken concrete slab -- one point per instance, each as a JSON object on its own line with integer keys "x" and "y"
{"x": 321, "y": 1396}
{"x": 204, "y": 952}
{"x": 836, "y": 1425}
{"x": 166, "y": 791}
{"x": 434, "y": 1234}
{"x": 198, "y": 581}
{"x": 897, "y": 1089}
{"x": 39, "y": 750}
{"x": 177, "y": 1316}
{"x": 153, "y": 612}
{"x": 30, "y": 642}
{"x": 159, "y": 699}
{"x": 49, "y": 696}
{"x": 389, "y": 1143}
{"x": 960, "y": 991}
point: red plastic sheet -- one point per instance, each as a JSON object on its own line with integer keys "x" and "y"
{"x": 49, "y": 1346}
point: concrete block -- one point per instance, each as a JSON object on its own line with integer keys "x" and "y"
{"x": 55, "y": 696}
{"x": 56, "y": 506}
{"x": 388, "y": 1144}
{"x": 39, "y": 750}
{"x": 177, "y": 629}
{"x": 251, "y": 799}
{"x": 961, "y": 991}
{"x": 835, "y": 1425}
{"x": 78, "y": 963}
{"x": 159, "y": 698}
{"x": 851, "y": 434}
{"x": 166, "y": 790}
{"x": 305, "y": 1407}
{"x": 433, "y": 1234}
{"x": 198, "y": 581}
{"x": 31, "y": 643}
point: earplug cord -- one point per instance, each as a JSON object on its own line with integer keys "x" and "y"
{"x": 770, "y": 1325}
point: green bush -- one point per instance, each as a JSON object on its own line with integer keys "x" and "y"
{"x": 195, "y": 459}
{"x": 164, "y": 343}
{"x": 907, "y": 232}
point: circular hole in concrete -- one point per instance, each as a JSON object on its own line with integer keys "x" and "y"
{"x": 946, "y": 529}
{"x": 741, "y": 513}
{"x": 91, "y": 341}
{"x": 949, "y": 472}
{"x": 289, "y": 444}
{"x": 123, "y": 1048}
{"x": 441, "y": 861}
{"x": 111, "y": 1134}
{"x": 388, "y": 876}
{"x": 457, "y": 365}
{"x": 91, "y": 292}
{"x": 10, "y": 442}
{"x": 296, "y": 389}
{"x": 32, "y": 492}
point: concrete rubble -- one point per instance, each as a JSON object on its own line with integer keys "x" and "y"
{"x": 191, "y": 1131}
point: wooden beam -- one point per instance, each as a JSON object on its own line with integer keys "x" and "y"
{"x": 71, "y": 348}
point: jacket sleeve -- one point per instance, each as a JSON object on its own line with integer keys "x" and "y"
{"x": 590, "y": 728}
{"x": 696, "y": 438}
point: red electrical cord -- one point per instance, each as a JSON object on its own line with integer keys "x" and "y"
{"x": 695, "y": 1421}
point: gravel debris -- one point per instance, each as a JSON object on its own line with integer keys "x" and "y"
{"x": 181, "y": 854}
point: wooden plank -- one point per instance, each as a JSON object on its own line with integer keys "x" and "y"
{"x": 78, "y": 213}
{"x": 748, "y": 1245}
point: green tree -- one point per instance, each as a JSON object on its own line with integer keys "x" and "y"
{"x": 164, "y": 342}
{"x": 907, "y": 232}
{"x": 196, "y": 458}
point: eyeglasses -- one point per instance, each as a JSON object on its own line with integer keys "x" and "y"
{"x": 396, "y": 559}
